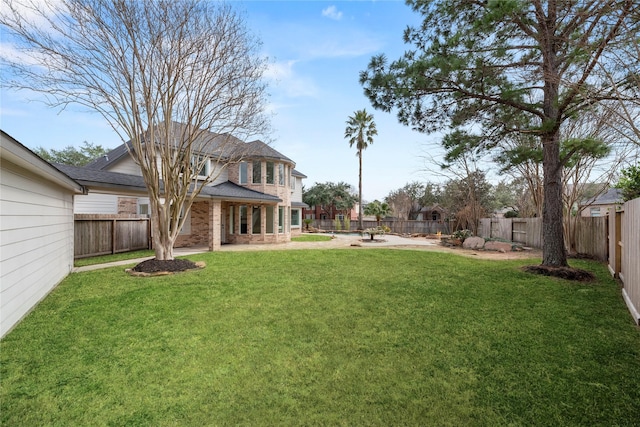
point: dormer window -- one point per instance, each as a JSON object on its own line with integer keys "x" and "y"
{"x": 201, "y": 166}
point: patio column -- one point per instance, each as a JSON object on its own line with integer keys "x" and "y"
{"x": 215, "y": 232}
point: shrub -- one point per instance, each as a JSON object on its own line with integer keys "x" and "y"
{"x": 462, "y": 234}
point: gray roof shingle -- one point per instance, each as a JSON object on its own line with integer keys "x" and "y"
{"x": 120, "y": 181}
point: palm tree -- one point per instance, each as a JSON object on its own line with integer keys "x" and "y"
{"x": 360, "y": 130}
{"x": 378, "y": 209}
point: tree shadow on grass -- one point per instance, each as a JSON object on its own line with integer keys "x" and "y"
{"x": 567, "y": 273}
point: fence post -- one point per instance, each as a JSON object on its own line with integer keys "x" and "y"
{"x": 113, "y": 236}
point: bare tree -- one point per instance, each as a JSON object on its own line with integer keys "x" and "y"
{"x": 621, "y": 68}
{"x": 175, "y": 78}
{"x": 594, "y": 155}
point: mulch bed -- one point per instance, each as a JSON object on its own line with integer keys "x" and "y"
{"x": 154, "y": 267}
{"x": 567, "y": 273}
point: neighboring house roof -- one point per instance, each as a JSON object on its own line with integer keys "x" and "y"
{"x": 435, "y": 207}
{"x": 16, "y": 153}
{"x": 120, "y": 181}
{"x": 612, "y": 196}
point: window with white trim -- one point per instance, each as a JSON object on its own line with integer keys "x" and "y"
{"x": 269, "y": 219}
{"x": 243, "y": 219}
{"x": 257, "y": 172}
{"x": 295, "y": 217}
{"x": 271, "y": 173}
{"x": 256, "y": 220}
{"x": 201, "y": 165}
{"x": 244, "y": 173}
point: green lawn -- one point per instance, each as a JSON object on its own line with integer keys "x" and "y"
{"x": 326, "y": 337}
{"x": 113, "y": 257}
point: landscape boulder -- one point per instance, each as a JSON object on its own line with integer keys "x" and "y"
{"x": 498, "y": 246}
{"x": 473, "y": 243}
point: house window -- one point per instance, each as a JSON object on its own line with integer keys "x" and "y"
{"x": 295, "y": 217}
{"x": 143, "y": 208}
{"x": 280, "y": 219}
{"x": 292, "y": 180}
{"x": 257, "y": 172}
{"x": 595, "y": 211}
{"x": 256, "y": 220}
{"x": 232, "y": 222}
{"x": 270, "y": 173}
{"x": 269, "y": 214}
{"x": 280, "y": 174}
{"x": 244, "y": 173}
{"x": 200, "y": 166}
{"x": 243, "y": 220}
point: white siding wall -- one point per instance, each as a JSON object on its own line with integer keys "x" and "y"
{"x": 296, "y": 195}
{"x": 224, "y": 176}
{"x": 36, "y": 241}
{"x": 126, "y": 165}
{"x": 96, "y": 203}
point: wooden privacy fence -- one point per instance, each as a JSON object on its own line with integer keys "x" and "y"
{"x": 526, "y": 231}
{"x": 590, "y": 236}
{"x": 624, "y": 253}
{"x": 110, "y": 234}
{"x": 396, "y": 226}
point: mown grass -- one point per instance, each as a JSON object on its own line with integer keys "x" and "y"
{"x": 342, "y": 337}
{"x": 102, "y": 259}
{"x": 311, "y": 238}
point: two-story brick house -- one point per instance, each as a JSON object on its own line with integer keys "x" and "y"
{"x": 257, "y": 200}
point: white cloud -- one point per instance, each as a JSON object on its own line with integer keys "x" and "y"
{"x": 285, "y": 79}
{"x": 332, "y": 13}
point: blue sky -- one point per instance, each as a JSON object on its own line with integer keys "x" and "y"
{"x": 316, "y": 51}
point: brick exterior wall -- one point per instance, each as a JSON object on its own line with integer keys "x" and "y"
{"x": 206, "y": 216}
{"x": 127, "y": 205}
{"x": 199, "y": 235}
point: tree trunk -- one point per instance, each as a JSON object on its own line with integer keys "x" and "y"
{"x": 553, "y": 250}
{"x": 360, "y": 226}
{"x": 162, "y": 239}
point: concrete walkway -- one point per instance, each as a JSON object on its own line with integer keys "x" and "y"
{"x": 340, "y": 241}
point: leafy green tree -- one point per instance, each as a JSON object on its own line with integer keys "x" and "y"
{"x": 482, "y": 64}
{"x": 331, "y": 197}
{"x": 378, "y": 209}
{"x": 629, "y": 182}
{"x": 432, "y": 194}
{"x": 468, "y": 198}
{"x": 406, "y": 201}
{"x": 505, "y": 194}
{"x": 71, "y": 155}
{"x": 360, "y": 131}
